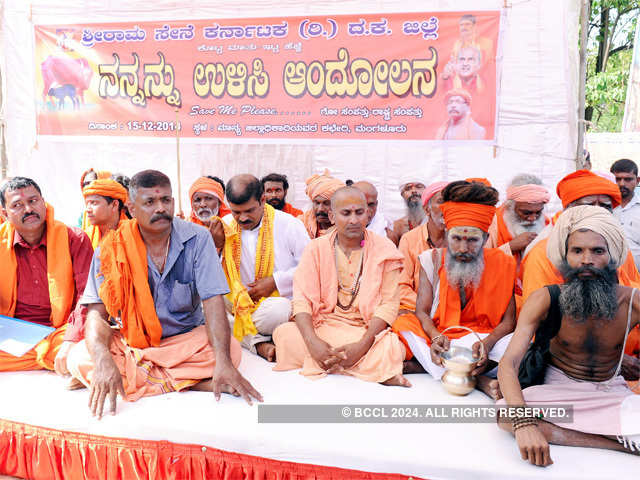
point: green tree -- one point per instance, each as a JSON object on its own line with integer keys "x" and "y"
{"x": 611, "y": 31}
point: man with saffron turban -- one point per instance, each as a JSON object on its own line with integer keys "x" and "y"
{"x": 261, "y": 249}
{"x": 466, "y": 285}
{"x": 519, "y": 220}
{"x": 207, "y": 206}
{"x": 105, "y": 206}
{"x": 158, "y": 281}
{"x": 578, "y": 188}
{"x": 319, "y": 190}
{"x": 86, "y": 178}
{"x": 584, "y": 324}
{"x": 344, "y": 301}
{"x": 460, "y": 125}
{"x": 44, "y": 267}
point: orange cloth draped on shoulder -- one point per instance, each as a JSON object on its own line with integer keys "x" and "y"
{"x": 61, "y": 291}
{"x": 538, "y": 271}
{"x": 207, "y": 185}
{"x": 104, "y": 187}
{"x": 315, "y": 291}
{"x": 291, "y": 210}
{"x": 125, "y": 290}
{"x": 485, "y": 306}
{"x": 412, "y": 244}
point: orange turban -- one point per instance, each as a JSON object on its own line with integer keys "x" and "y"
{"x": 481, "y": 180}
{"x": 206, "y": 185}
{"x": 583, "y": 183}
{"x": 458, "y": 92}
{"x": 322, "y": 185}
{"x": 106, "y": 188}
{"x": 464, "y": 214}
{"x": 100, "y": 175}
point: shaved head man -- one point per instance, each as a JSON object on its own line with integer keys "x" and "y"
{"x": 344, "y": 302}
{"x": 377, "y": 223}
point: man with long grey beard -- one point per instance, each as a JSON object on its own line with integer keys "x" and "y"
{"x": 411, "y": 191}
{"x": 463, "y": 285}
{"x": 586, "y": 321}
{"x": 519, "y": 220}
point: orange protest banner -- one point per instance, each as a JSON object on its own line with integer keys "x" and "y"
{"x": 413, "y": 76}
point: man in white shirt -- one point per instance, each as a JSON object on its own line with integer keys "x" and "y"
{"x": 377, "y": 221}
{"x": 626, "y": 173}
{"x": 262, "y": 248}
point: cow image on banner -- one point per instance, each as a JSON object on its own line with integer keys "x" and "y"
{"x": 401, "y": 76}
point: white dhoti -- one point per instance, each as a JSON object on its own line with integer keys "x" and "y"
{"x": 271, "y": 312}
{"x": 422, "y": 351}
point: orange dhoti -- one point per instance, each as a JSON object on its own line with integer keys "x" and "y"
{"x": 40, "y": 357}
{"x": 380, "y": 363}
{"x": 177, "y": 363}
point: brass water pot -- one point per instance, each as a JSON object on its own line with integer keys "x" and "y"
{"x": 458, "y": 363}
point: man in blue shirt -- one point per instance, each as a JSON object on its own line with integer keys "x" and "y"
{"x": 156, "y": 321}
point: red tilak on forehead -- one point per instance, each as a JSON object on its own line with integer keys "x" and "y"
{"x": 157, "y": 191}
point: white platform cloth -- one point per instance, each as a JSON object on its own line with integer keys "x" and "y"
{"x": 434, "y": 451}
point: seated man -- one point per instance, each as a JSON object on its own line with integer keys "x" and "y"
{"x": 578, "y": 188}
{"x": 377, "y": 222}
{"x": 152, "y": 278}
{"x": 261, "y": 251}
{"x": 86, "y": 178}
{"x": 427, "y": 236}
{"x": 319, "y": 190}
{"x": 589, "y": 317}
{"x": 463, "y": 285}
{"x": 344, "y": 300}
{"x": 104, "y": 201}
{"x": 411, "y": 189}
{"x": 275, "y": 188}
{"x": 519, "y": 220}
{"x": 626, "y": 174}
{"x": 44, "y": 270}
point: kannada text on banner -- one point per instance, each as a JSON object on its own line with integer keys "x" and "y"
{"x": 413, "y": 76}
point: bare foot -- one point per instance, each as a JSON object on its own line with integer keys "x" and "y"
{"x": 206, "y": 385}
{"x": 75, "y": 384}
{"x": 397, "y": 381}
{"x": 489, "y": 386}
{"x": 267, "y": 350}
{"x": 412, "y": 366}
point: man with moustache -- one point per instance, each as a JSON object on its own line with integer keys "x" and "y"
{"x": 261, "y": 249}
{"x": 581, "y": 187}
{"x": 466, "y": 285}
{"x": 459, "y": 125}
{"x": 463, "y": 72}
{"x": 589, "y": 317}
{"x": 44, "y": 267}
{"x": 519, "y": 220}
{"x": 156, "y": 320}
{"x": 377, "y": 222}
{"x": 319, "y": 190}
{"x": 275, "y": 188}
{"x": 411, "y": 189}
{"x": 628, "y": 213}
{"x": 427, "y": 236}
{"x": 207, "y": 205}
{"x": 344, "y": 302}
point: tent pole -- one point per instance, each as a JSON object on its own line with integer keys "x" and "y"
{"x": 584, "y": 36}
